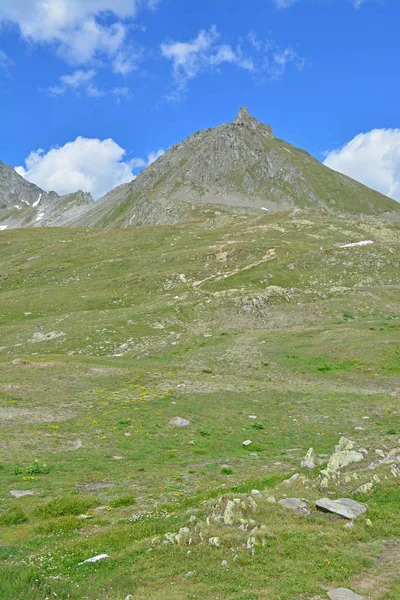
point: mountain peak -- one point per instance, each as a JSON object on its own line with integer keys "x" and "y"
{"x": 245, "y": 119}
{"x": 243, "y": 114}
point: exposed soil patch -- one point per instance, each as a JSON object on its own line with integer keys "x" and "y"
{"x": 95, "y": 486}
{"x": 38, "y": 414}
{"x": 384, "y": 575}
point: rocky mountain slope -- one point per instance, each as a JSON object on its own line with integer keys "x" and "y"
{"x": 236, "y": 167}
{"x": 24, "y": 204}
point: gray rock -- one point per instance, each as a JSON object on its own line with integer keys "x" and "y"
{"x": 344, "y": 594}
{"x": 292, "y": 479}
{"x": 21, "y": 493}
{"x": 179, "y": 422}
{"x": 295, "y": 504}
{"x": 344, "y": 507}
{"x": 310, "y": 460}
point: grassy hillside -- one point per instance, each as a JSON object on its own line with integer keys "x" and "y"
{"x": 258, "y": 328}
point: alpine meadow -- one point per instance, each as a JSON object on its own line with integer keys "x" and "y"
{"x": 199, "y": 367}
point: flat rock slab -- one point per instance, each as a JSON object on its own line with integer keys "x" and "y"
{"x": 345, "y": 594}
{"x": 21, "y": 493}
{"x": 179, "y": 422}
{"x": 295, "y": 504}
{"x": 344, "y": 507}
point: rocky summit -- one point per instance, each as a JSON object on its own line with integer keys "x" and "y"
{"x": 239, "y": 167}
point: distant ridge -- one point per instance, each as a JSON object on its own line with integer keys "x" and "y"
{"x": 24, "y": 204}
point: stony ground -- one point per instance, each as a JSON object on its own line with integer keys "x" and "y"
{"x": 253, "y": 329}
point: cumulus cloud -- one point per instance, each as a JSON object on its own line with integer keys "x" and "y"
{"x": 77, "y": 28}
{"x": 372, "y": 158}
{"x": 206, "y": 52}
{"x": 91, "y": 165}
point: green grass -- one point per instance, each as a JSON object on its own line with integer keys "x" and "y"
{"x": 85, "y": 415}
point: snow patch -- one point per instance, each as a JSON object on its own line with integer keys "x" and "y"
{"x": 35, "y": 204}
{"x": 39, "y": 217}
{"x": 266, "y": 209}
{"x": 18, "y": 207}
{"x": 363, "y": 243}
{"x": 3, "y": 227}
{"x": 95, "y": 559}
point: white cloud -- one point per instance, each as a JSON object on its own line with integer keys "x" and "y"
{"x": 372, "y": 158}
{"x": 206, "y": 52}
{"x": 5, "y": 60}
{"x": 140, "y": 163}
{"x": 281, "y": 58}
{"x": 201, "y": 53}
{"x": 76, "y": 28}
{"x": 82, "y": 81}
{"x": 91, "y": 165}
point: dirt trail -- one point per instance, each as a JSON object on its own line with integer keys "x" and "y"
{"x": 270, "y": 255}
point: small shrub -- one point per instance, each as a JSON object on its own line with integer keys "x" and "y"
{"x": 66, "y": 506}
{"x": 258, "y": 426}
{"x": 127, "y": 500}
{"x": 226, "y": 470}
{"x": 204, "y": 433}
{"x": 37, "y": 469}
{"x": 13, "y": 516}
{"x": 391, "y": 432}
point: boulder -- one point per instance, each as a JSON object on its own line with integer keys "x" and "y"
{"x": 344, "y": 507}
{"x": 295, "y": 504}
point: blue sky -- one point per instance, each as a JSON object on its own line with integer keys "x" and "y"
{"x": 101, "y": 87}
